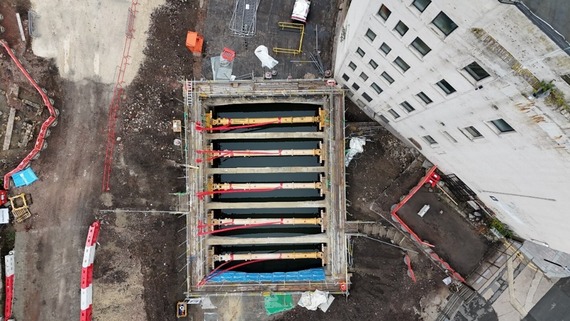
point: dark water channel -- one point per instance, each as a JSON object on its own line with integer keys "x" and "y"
{"x": 279, "y": 195}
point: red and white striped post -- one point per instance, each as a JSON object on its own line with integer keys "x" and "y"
{"x": 9, "y": 267}
{"x": 87, "y": 272}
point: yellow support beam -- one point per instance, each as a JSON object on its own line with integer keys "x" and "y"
{"x": 267, "y": 152}
{"x": 320, "y": 119}
{"x": 268, "y": 256}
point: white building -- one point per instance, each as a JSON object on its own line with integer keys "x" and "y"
{"x": 453, "y": 77}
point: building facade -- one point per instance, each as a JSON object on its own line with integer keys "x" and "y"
{"x": 458, "y": 80}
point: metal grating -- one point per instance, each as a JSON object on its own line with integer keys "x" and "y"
{"x": 244, "y": 18}
{"x": 458, "y": 188}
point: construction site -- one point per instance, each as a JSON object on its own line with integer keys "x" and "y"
{"x": 206, "y": 165}
{"x": 265, "y": 191}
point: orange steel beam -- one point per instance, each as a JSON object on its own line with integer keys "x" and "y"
{"x": 267, "y": 256}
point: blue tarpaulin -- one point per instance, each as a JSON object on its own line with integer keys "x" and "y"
{"x": 310, "y": 275}
{"x": 24, "y": 177}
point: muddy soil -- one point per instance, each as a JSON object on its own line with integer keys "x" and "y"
{"x": 44, "y": 72}
{"x": 140, "y": 258}
{"x": 146, "y": 175}
{"x": 147, "y": 170}
{"x": 381, "y": 288}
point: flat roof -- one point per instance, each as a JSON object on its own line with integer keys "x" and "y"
{"x": 551, "y": 16}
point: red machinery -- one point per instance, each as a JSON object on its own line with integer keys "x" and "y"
{"x": 3, "y": 197}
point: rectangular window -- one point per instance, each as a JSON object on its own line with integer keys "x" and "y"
{"x": 352, "y": 65}
{"x": 355, "y": 86}
{"x": 385, "y": 48}
{"x": 370, "y": 35}
{"x": 446, "y": 87}
{"x": 473, "y": 132}
{"x": 364, "y": 76}
{"x": 425, "y": 98}
{"x": 384, "y": 119}
{"x": 376, "y": 88}
{"x": 429, "y": 139}
{"x": 388, "y": 78}
{"x": 345, "y": 77}
{"x": 402, "y": 64}
{"x": 476, "y": 71}
{"x": 373, "y": 64}
{"x": 502, "y": 126}
{"x": 365, "y": 96}
{"x": 448, "y": 135}
{"x": 421, "y": 5}
{"x": 360, "y": 52}
{"x": 421, "y": 46}
{"x": 394, "y": 113}
{"x": 384, "y": 12}
{"x": 444, "y": 23}
{"x": 401, "y": 28}
{"x": 407, "y": 106}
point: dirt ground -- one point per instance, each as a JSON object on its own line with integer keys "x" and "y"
{"x": 67, "y": 198}
{"x": 381, "y": 288}
{"x": 10, "y": 77}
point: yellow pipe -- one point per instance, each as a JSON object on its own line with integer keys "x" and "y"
{"x": 272, "y": 152}
{"x": 267, "y": 256}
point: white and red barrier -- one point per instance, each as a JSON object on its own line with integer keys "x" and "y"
{"x": 87, "y": 272}
{"x": 9, "y": 267}
{"x": 53, "y": 113}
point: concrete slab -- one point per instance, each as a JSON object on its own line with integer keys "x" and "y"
{"x": 9, "y": 129}
{"x": 504, "y": 309}
{"x": 322, "y": 17}
{"x": 454, "y": 239}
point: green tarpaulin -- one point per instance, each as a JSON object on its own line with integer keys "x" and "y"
{"x": 276, "y": 303}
